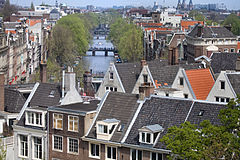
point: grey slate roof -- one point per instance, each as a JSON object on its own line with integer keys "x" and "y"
{"x": 13, "y": 100}
{"x": 168, "y": 112}
{"x": 205, "y": 111}
{"x": 163, "y": 111}
{"x": 78, "y": 107}
{"x": 235, "y": 82}
{"x": 128, "y": 73}
{"x": 212, "y": 32}
{"x": 120, "y": 106}
{"x": 223, "y": 61}
{"x": 42, "y": 98}
{"x": 167, "y": 74}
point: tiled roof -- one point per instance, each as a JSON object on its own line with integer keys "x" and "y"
{"x": 42, "y": 95}
{"x": 120, "y": 106}
{"x": 128, "y": 73}
{"x": 212, "y": 32}
{"x": 163, "y": 111}
{"x": 13, "y": 100}
{"x": 205, "y": 111}
{"x": 186, "y": 24}
{"x": 201, "y": 81}
{"x": 235, "y": 81}
{"x": 168, "y": 112}
{"x": 223, "y": 61}
{"x": 165, "y": 75}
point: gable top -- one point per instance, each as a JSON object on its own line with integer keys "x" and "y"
{"x": 223, "y": 61}
{"x": 201, "y": 81}
{"x": 153, "y": 128}
{"x": 165, "y": 75}
{"x": 212, "y": 32}
{"x": 234, "y": 79}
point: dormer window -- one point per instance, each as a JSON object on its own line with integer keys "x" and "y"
{"x": 34, "y": 118}
{"x": 149, "y": 134}
{"x": 51, "y": 93}
{"x": 106, "y": 128}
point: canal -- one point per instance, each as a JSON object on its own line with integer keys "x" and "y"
{"x": 99, "y": 63}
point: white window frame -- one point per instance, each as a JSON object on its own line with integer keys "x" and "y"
{"x": 98, "y": 129}
{"x": 68, "y": 146}
{"x": 180, "y": 81}
{"x": 145, "y": 137}
{"x": 19, "y": 146}
{"x": 106, "y": 151}
{"x": 110, "y": 75}
{"x": 156, "y": 155}
{"x": 57, "y": 121}
{"x": 34, "y": 114}
{"x": 137, "y": 158}
{"x": 90, "y": 154}
{"x": 33, "y": 148}
{"x": 73, "y": 121}
{"x": 58, "y": 150}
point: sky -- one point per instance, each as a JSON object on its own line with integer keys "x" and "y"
{"x": 231, "y": 4}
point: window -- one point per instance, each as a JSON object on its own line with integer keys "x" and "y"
{"x": 146, "y": 137}
{"x": 23, "y": 145}
{"x": 72, "y": 145}
{"x": 94, "y": 150}
{"x": 167, "y": 94}
{"x": 37, "y": 150}
{"x": 111, "y": 152}
{"x": 222, "y": 84}
{"x": 156, "y": 156}
{"x": 73, "y": 123}
{"x": 217, "y": 99}
{"x": 222, "y": 99}
{"x": 136, "y": 154}
{"x": 102, "y": 128}
{"x": 57, "y": 121}
{"x": 181, "y": 81}
{"x": 185, "y": 95}
{"x": 145, "y": 78}
{"x": 232, "y": 50}
{"x": 57, "y": 143}
{"x": 34, "y": 118}
{"x": 227, "y": 99}
{"x": 111, "y": 76}
{"x": 225, "y": 50}
{"x": 115, "y": 89}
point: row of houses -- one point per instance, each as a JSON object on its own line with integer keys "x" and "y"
{"x": 119, "y": 126}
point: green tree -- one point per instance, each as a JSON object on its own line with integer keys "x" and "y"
{"x": 207, "y": 141}
{"x": 7, "y": 10}
{"x": 3, "y": 151}
{"x": 234, "y": 21}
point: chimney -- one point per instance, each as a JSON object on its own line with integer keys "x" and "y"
{"x": 200, "y": 30}
{"x": 238, "y": 64}
{"x": 2, "y": 92}
{"x": 145, "y": 90}
{"x": 70, "y": 81}
{"x": 87, "y": 82}
{"x": 143, "y": 63}
{"x": 229, "y": 28}
{"x": 43, "y": 72}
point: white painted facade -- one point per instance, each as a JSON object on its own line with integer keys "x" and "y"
{"x": 109, "y": 83}
{"x": 172, "y": 19}
{"x": 185, "y": 87}
{"x": 220, "y": 95}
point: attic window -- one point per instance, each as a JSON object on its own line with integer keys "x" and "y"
{"x": 148, "y": 134}
{"x": 201, "y": 113}
{"x": 106, "y": 128}
{"x": 51, "y": 93}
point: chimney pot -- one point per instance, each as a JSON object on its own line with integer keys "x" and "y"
{"x": 143, "y": 63}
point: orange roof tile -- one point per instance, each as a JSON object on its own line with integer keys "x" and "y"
{"x": 158, "y": 29}
{"x": 186, "y": 24}
{"x": 238, "y": 45}
{"x": 201, "y": 81}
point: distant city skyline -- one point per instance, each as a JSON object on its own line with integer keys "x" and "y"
{"x": 231, "y": 4}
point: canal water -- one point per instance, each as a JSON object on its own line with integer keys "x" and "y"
{"x": 98, "y": 63}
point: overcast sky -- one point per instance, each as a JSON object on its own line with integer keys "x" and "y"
{"x": 231, "y": 4}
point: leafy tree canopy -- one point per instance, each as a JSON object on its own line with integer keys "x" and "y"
{"x": 234, "y": 21}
